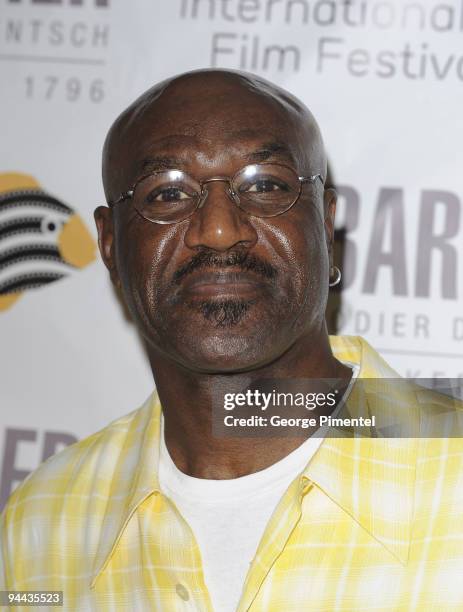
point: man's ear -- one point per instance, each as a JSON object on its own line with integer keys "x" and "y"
{"x": 105, "y": 227}
{"x": 329, "y": 205}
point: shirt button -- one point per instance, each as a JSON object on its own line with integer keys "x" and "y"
{"x": 182, "y": 592}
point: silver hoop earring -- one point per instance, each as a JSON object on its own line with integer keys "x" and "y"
{"x": 335, "y": 276}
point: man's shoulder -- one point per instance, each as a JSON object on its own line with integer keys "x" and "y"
{"x": 441, "y": 429}
{"x": 79, "y": 468}
{"x": 356, "y": 350}
{"x": 438, "y": 411}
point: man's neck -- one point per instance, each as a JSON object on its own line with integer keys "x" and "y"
{"x": 188, "y": 397}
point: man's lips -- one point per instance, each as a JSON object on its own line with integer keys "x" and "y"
{"x": 222, "y": 283}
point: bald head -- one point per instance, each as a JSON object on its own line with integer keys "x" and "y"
{"x": 207, "y": 106}
{"x": 214, "y": 127}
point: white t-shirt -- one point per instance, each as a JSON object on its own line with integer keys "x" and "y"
{"x": 228, "y": 517}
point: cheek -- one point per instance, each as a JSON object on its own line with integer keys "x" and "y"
{"x": 143, "y": 253}
{"x": 298, "y": 244}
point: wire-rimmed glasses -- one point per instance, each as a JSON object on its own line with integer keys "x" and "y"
{"x": 261, "y": 190}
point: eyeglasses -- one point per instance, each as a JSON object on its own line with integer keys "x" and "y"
{"x": 261, "y": 190}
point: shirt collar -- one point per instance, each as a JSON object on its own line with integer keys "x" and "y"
{"x": 343, "y": 468}
{"x": 135, "y": 476}
{"x": 372, "y": 479}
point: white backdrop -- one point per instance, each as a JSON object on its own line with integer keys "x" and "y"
{"x": 383, "y": 78}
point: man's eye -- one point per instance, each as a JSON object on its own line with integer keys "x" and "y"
{"x": 168, "y": 194}
{"x": 265, "y": 186}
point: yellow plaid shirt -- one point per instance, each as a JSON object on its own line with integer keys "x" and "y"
{"x": 370, "y": 524}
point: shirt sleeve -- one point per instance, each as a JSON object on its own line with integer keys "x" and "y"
{"x": 5, "y": 557}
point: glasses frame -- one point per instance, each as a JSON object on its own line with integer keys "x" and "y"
{"x": 234, "y": 197}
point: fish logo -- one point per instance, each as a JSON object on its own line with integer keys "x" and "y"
{"x": 42, "y": 240}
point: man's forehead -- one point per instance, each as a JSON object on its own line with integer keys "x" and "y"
{"x": 245, "y": 146}
{"x": 206, "y": 115}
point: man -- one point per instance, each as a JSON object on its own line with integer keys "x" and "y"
{"x": 219, "y": 235}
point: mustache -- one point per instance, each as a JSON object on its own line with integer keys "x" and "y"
{"x": 236, "y": 259}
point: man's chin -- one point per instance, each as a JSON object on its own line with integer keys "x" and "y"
{"x": 220, "y": 352}
{"x": 220, "y": 335}
{"x": 226, "y": 313}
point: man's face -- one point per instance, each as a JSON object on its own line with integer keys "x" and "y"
{"x": 222, "y": 290}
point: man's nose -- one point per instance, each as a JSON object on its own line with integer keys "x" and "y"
{"x": 219, "y": 224}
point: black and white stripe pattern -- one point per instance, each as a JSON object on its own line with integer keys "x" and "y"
{"x": 30, "y": 223}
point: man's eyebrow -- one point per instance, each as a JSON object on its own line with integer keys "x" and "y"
{"x": 264, "y": 152}
{"x": 270, "y": 149}
{"x": 159, "y": 162}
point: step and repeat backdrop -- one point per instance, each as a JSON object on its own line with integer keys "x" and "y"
{"x": 384, "y": 79}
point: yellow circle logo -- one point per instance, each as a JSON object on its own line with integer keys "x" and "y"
{"x": 42, "y": 240}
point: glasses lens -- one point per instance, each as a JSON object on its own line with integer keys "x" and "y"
{"x": 167, "y": 197}
{"x": 266, "y": 190}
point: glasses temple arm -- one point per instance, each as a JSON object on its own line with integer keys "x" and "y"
{"x": 311, "y": 179}
{"x": 121, "y": 198}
